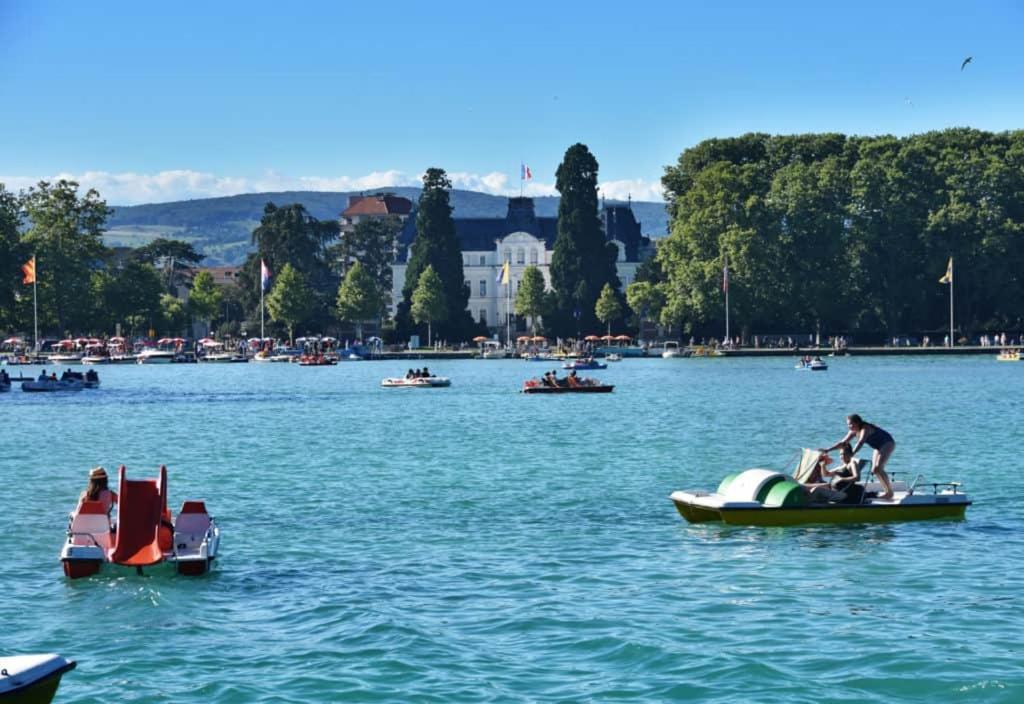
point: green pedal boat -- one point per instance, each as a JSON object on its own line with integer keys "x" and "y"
{"x": 765, "y": 497}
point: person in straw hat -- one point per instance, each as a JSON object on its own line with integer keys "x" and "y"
{"x": 98, "y": 490}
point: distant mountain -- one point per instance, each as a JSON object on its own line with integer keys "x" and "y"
{"x": 221, "y": 228}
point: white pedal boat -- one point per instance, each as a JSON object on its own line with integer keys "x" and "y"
{"x": 423, "y": 382}
{"x": 146, "y": 534}
{"x": 31, "y": 679}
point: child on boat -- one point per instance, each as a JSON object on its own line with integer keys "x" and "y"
{"x": 98, "y": 489}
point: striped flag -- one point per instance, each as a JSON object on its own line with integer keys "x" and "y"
{"x": 29, "y": 270}
{"x": 524, "y": 173}
{"x": 502, "y": 275}
{"x": 264, "y": 274}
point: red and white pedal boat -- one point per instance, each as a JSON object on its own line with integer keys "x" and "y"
{"x": 146, "y": 533}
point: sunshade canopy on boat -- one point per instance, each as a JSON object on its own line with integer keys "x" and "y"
{"x": 608, "y": 337}
{"x": 65, "y": 343}
{"x": 538, "y": 338}
{"x": 117, "y": 339}
{"x": 623, "y": 338}
{"x": 523, "y": 338}
{"x": 206, "y": 341}
{"x": 591, "y": 338}
{"x": 480, "y": 338}
{"x": 328, "y": 339}
{"x": 12, "y": 341}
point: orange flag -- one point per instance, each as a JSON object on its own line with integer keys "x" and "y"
{"x": 29, "y": 270}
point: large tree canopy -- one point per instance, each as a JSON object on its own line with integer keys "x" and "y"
{"x": 583, "y": 261}
{"x": 846, "y": 234}
{"x": 436, "y": 245}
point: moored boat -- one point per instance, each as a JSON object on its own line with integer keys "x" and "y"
{"x": 814, "y": 365}
{"x": 613, "y": 357}
{"x": 1009, "y": 355}
{"x": 31, "y": 679}
{"x": 155, "y": 356}
{"x": 52, "y": 385}
{"x": 764, "y": 497}
{"x": 147, "y": 534}
{"x": 584, "y": 364}
{"x": 420, "y": 382}
{"x": 671, "y": 350}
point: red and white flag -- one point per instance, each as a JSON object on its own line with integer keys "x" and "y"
{"x": 524, "y": 173}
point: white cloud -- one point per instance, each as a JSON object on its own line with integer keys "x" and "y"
{"x": 129, "y": 188}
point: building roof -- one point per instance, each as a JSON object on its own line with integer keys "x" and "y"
{"x": 479, "y": 234}
{"x": 377, "y": 204}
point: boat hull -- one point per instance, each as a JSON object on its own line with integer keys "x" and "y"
{"x": 37, "y": 685}
{"x": 596, "y": 389}
{"x": 830, "y": 514}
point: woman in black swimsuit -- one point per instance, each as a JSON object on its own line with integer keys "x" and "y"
{"x": 877, "y": 439}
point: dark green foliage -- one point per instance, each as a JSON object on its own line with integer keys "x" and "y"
{"x": 436, "y": 245}
{"x": 173, "y": 257}
{"x": 583, "y": 261}
{"x": 371, "y": 244}
{"x": 849, "y": 234}
{"x": 12, "y": 256}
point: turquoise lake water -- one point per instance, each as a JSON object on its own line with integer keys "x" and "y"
{"x": 476, "y": 544}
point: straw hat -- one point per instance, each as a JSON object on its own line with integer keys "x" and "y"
{"x": 97, "y": 473}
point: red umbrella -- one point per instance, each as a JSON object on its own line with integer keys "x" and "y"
{"x": 623, "y": 338}
{"x": 591, "y": 338}
{"x": 163, "y": 341}
{"x": 480, "y": 338}
{"x": 66, "y": 343}
{"x": 12, "y": 341}
{"x": 609, "y": 338}
{"x": 117, "y": 339}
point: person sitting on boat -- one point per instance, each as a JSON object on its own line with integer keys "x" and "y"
{"x": 551, "y": 379}
{"x": 426, "y": 373}
{"x": 572, "y": 381}
{"x": 53, "y": 376}
{"x": 876, "y": 438}
{"x": 91, "y": 375}
{"x": 842, "y": 484}
{"x": 4, "y": 379}
{"x": 98, "y": 489}
{"x": 410, "y": 374}
{"x": 43, "y": 376}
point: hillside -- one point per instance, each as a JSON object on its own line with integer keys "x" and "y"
{"x": 221, "y": 228}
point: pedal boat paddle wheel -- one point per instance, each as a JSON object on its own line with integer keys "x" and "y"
{"x": 147, "y": 533}
{"x": 31, "y": 679}
{"x": 764, "y": 497}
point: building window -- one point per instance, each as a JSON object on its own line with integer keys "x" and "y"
{"x": 483, "y": 260}
{"x": 508, "y": 256}
{"x": 483, "y": 288}
{"x": 467, "y": 284}
{"x": 533, "y": 256}
{"x": 483, "y": 316}
{"x": 520, "y": 256}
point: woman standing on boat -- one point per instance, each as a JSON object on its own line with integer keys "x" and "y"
{"x": 877, "y": 439}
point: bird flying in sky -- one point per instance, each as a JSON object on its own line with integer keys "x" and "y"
{"x": 966, "y": 61}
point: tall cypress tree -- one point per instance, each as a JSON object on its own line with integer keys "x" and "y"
{"x": 583, "y": 260}
{"x": 437, "y": 245}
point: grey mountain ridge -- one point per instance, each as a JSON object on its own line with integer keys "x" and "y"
{"x": 221, "y": 228}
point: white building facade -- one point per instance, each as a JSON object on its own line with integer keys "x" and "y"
{"x": 523, "y": 240}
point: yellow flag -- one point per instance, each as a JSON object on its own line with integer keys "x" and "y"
{"x": 948, "y": 278}
{"x": 504, "y": 273}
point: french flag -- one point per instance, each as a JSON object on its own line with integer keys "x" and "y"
{"x": 524, "y": 173}
{"x": 264, "y": 274}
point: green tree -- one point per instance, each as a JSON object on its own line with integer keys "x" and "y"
{"x": 608, "y": 307}
{"x": 174, "y": 258}
{"x": 436, "y": 245}
{"x": 372, "y": 244}
{"x": 530, "y": 298}
{"x": 290, "y": 301}
{"x": 65, "y": 235}
{"x": 173, "y": 314}
{"x": 428, "y": 300}
{"x": 130, "y": 290}
{"x": 646, "y": 300}
{"x": 12, "y": 256}
{"x": 583, "y": 261}
{"x": 359, "y": 298}
{"x": 204, "y": 298}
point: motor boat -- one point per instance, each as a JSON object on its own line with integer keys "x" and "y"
{"x": 1009, "y": 356}
{"x": 51, "y": 385}
{"x": 613, "y": 357}
{"x": 671, "y": 350}
{"x": 65, "y": 358}
{"x": 31, "y": 679}
{"x": 764, "y": 497}
{"x": 222, "y": 358}
{"x": 492, "y": 349}
{"x": 316, "y": 360}
{"x": 155, "y": 356}
{"x": 419, "y": 382}
{"x": 582, "y": 386}
{"x": 146, "y": 533}
{"x": 814, "y": 365}
{"x": 588, "y": 363}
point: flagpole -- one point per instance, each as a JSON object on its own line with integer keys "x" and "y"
{"x": 952, "y": 339}
{"x": 262, "y": 335}
{"x": 727, "y": 338}
{"x": 508, "y": 309}
{"x": 35, "y": 309}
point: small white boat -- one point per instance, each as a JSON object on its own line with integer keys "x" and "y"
{"x": 671, "y": 350}
{"x": 31, "y": 679}
{"x": 96, "y": 359}
{"x": 222, "y": 358}
{"x": 815, "y": 365}
{"x": 65, "y": 358}
{"x": 1009, "y": 356}
{"x": 155, "y": 356}
{"x": 613, "y": 357}
{"x": 420, "y": 382}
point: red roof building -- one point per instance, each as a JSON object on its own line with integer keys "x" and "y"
{"x": 378, "y": 205}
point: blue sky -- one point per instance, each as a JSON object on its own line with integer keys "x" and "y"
{"x": 155, "y": 102}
